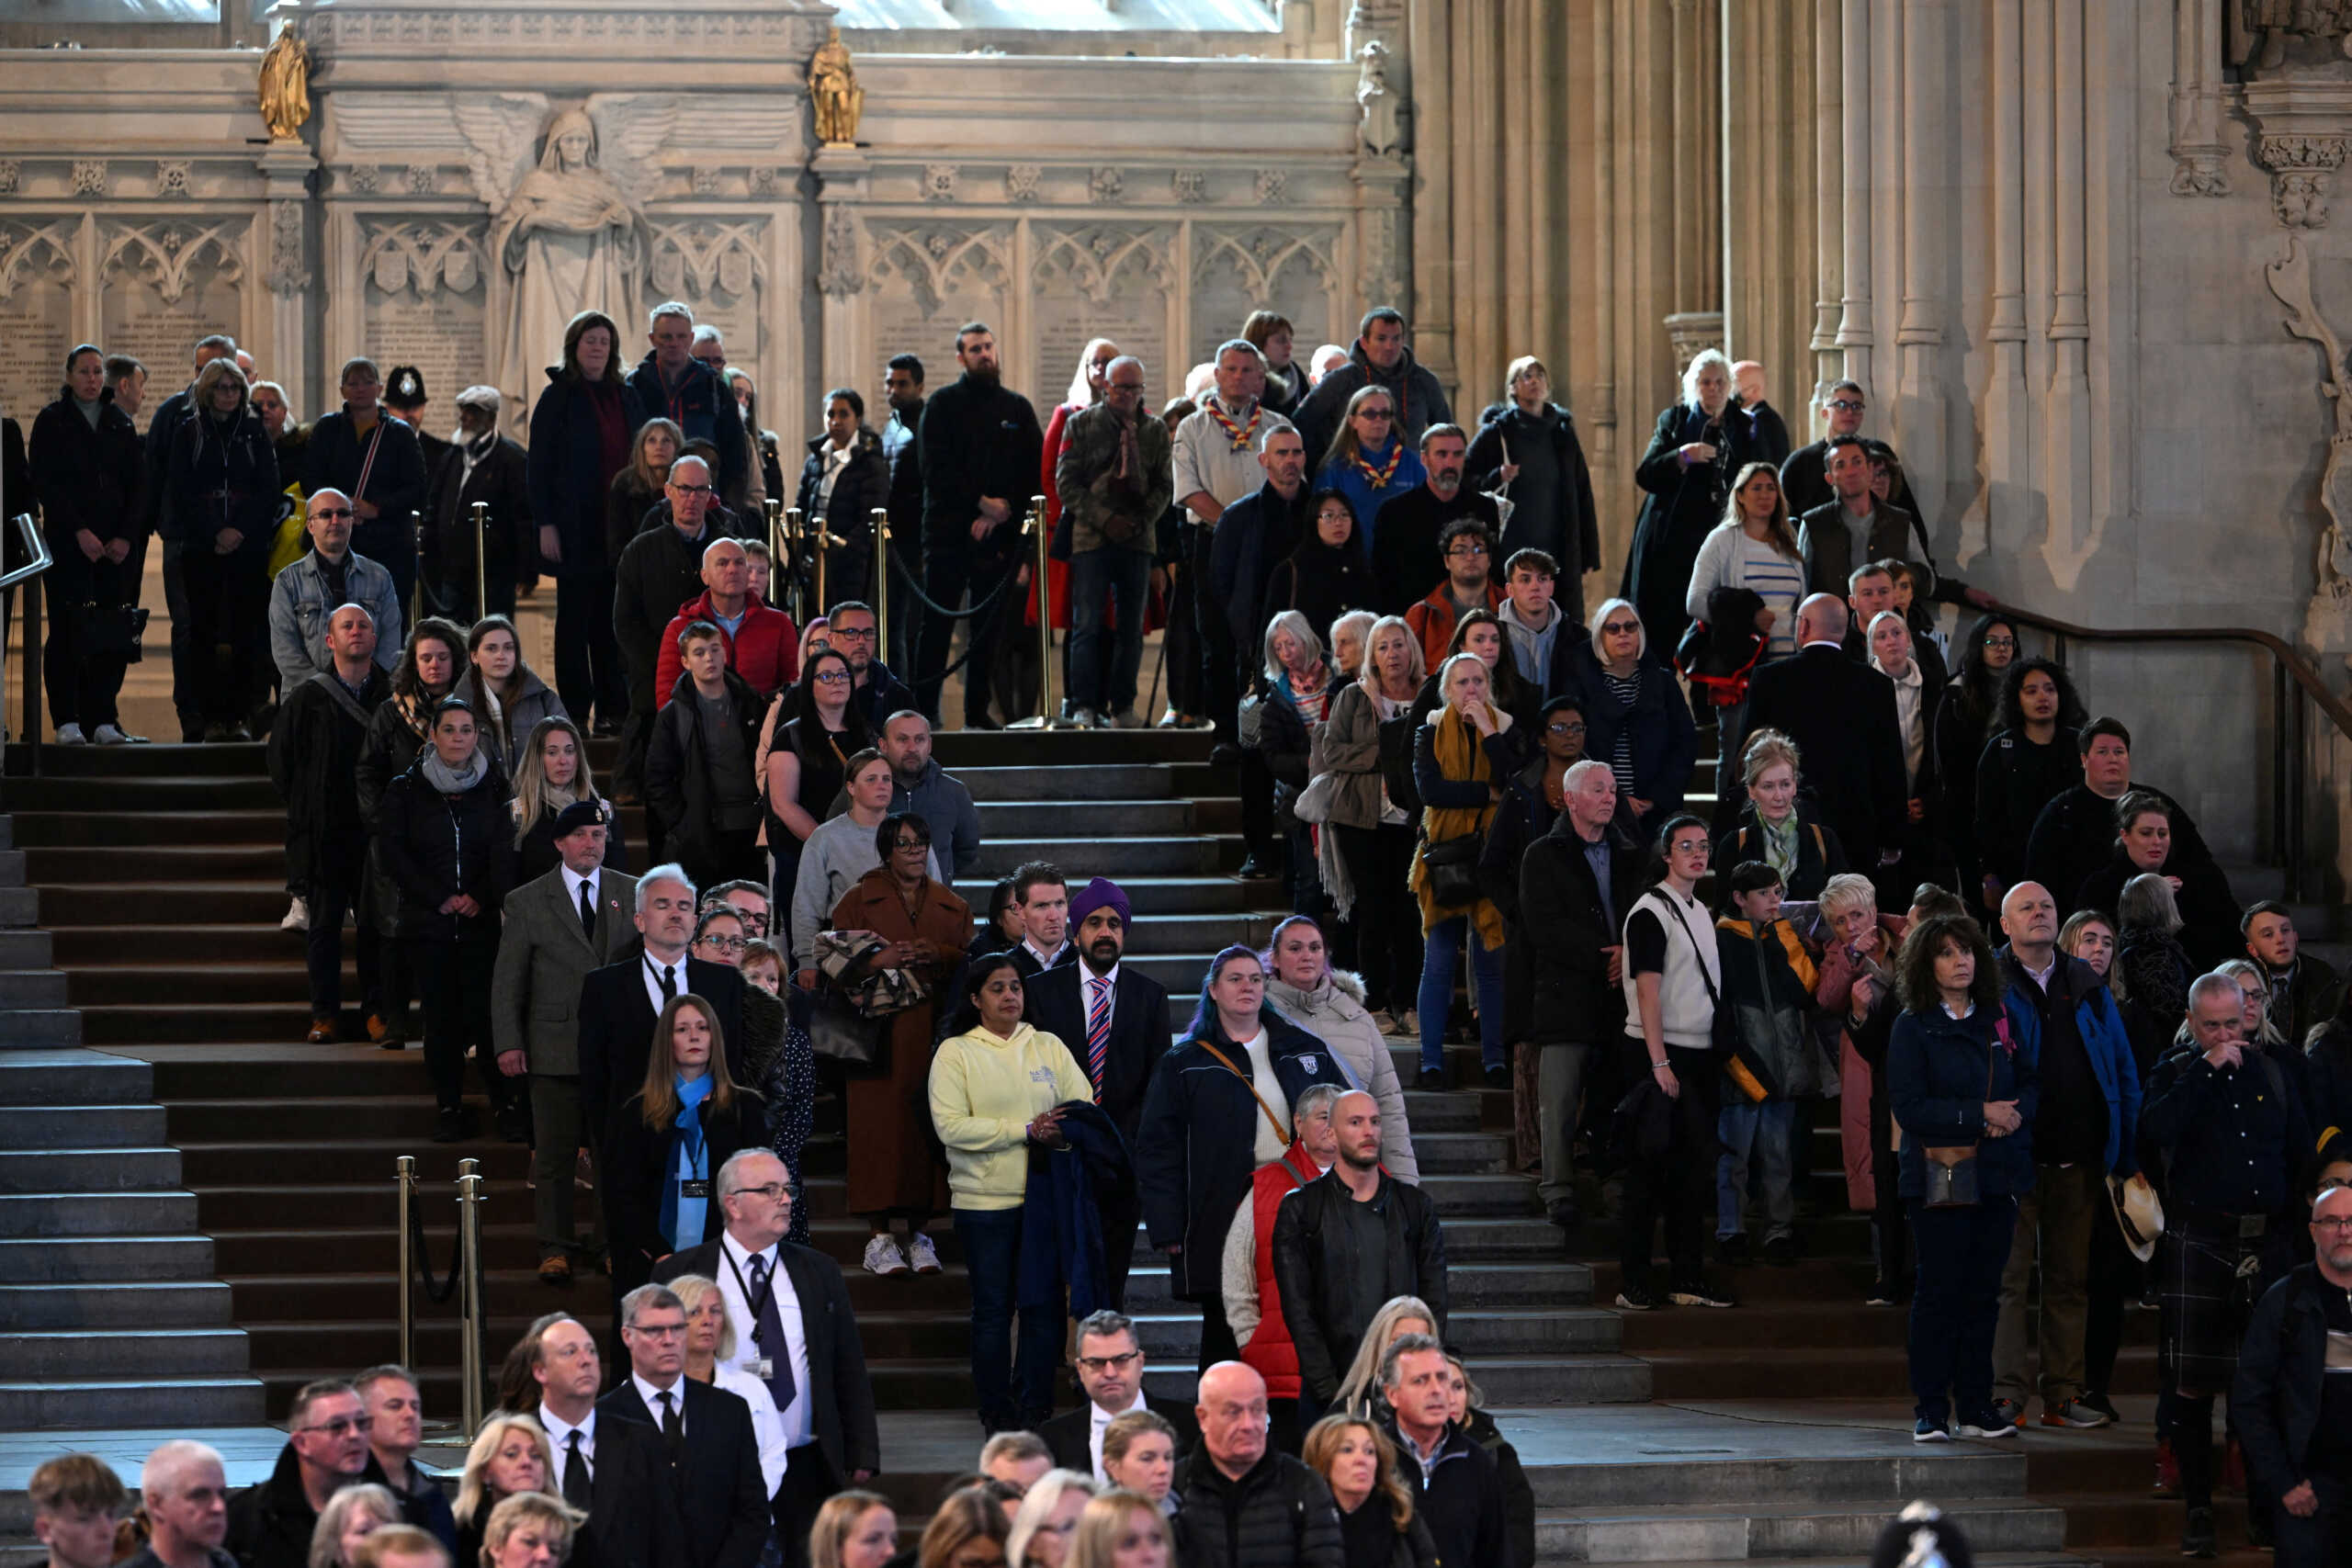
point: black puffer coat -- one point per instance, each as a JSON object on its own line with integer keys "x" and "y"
{"x": 434, "y": 846}
{"x": 85, "y": 478}
{"x": 1279, "y": 1512}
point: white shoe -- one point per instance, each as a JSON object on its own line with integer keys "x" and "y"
{"x": 1172, "y": 719}
{"x": 1126, "y": 720}
{"x": 922, "y": 1255}
{"x": 1081, "y": 716}
{"x": 70, "y": 735}
{"x": 883, "y": 1256}
{"x": 297, "y": 916}
{"x": 112, "y": 735}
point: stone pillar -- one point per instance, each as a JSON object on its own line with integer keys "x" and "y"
{"x": 1769, "y": 203}
{"x": 1430, "y": 52}
{"x": 1828, "y": 182}
{"x": 848, "y": 355}
{"x": 1856, "y": 333}
{"x": 1927, "y": 210}
{"x": 289, "y": 272}
{"x": 2067, "y": 415}
{"x": 2004, "y": 503}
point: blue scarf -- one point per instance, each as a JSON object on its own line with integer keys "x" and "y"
{"x": 683, "y": 1217}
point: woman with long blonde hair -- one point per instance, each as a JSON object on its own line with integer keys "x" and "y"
{"x": 853, "y": 1530}
{"x": 1120, "y": 1529}
{"x": 1369, "y": 461}
{"x": 1378, "y": 1528}
{"x": 1360, "y": 1389}
{"x": 510, "y": 1455}
{"x": 552, "y": 772}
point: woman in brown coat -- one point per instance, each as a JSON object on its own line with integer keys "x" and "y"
{"x": 894, "y": 1170}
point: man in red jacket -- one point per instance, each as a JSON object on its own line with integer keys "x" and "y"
{"x": 762, "y": 644}
{"x": 1252, "y": 1305}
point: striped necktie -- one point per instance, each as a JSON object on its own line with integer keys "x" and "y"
{"x": 1098, "y": 1032}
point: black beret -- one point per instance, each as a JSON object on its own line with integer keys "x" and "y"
{"x": 580, "y": 814}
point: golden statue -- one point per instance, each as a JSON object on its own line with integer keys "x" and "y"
{"x": 285, "y": 89}
{"x": 835, "y": 93}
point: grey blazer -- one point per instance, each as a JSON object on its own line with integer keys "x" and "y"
{"x": 543, "y": 955}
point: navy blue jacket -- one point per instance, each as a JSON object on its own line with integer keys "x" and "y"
{"x": 2275, "y": 1399}
{"x": 2105, "y": 1040}
{"x": 565, "y": 461}
{"x": 336, "y": 454}
{"x": 1666, "y": 741}
{"x": 1935, "y": 1087}
{"x": 1195, "y": 1150}
{"x": 1061, "y": 1214}
{"x": 2229, "y": 1142}
{"x": 703, "y": 407}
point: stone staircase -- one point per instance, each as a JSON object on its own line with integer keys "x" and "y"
{"x": 160, "y": 871}
{"x": 115, "y": 1314}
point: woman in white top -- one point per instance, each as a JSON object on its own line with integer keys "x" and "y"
{"x": 838, "y": 852}
{"x": 1673, "y": 976}
{"x": 710, "y": 1357}
{"x": 1754, "y": 548}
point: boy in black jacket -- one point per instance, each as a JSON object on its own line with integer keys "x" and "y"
{"x": 1768, "y": 984}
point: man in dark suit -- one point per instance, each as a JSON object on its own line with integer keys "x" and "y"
{"x": 558, "y": 928}
{"x": 620, "y": 1003}
{"x": 1110, "y": 1368}
{"x": 1115, "y": 1020}
{"x": 1042, "y": 895}
{"x": 794, "y": 1331}
{"x": 714, "y": 1455}
{"x": 1842, "y": 717}
{"x": 615, "y": 1471}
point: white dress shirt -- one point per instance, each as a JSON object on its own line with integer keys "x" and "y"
{"x": 796, "y": 1422}
{"x": 648, "y": 969}
{"x": 1098, "y": 1421}
{"x": 560, "y": 1432}
{"x": 652, "y": 1397}
{"x": 767, "y": 1427}
{"x": 573, "y": 881}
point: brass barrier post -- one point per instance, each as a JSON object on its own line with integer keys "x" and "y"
{"x": 776, "y": 563}
{"x": 481, "y": 572}
{"x": 405, "y": 1186}
{"x": 879, "y": 590}
{"x": 1048, "y": 717}
{"x": 470, "y": 1269}
{"x": 800, "y": 587}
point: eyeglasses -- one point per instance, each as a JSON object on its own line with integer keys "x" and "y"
{"x": 724, "y": 943}
{"x": 1846, "y": 405}
{"x": 1108, "y": 1363}
{"x": 1620, "y": 629}
{"x": 2001, "y": 644}
{"x": 325, "y": 512}
{"x": 342, "y": 1425}
{"x": 1465, "y": 551}
{"x": 773, "y": 1191}
{"x": 831, "y": 677}
{"x": 691, "y": 489}
{"x": 849, "y": 634}
{"x": 2333, "y": 1223}
{"x": 1689, "y": 847}
{"x": 911, "y": 846}
{"x": 1563, "y": 729}
{"x": 1126, "y": 386}
{"x": 1374, "y": 413}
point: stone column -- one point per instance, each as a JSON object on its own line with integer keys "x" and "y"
{"x": 2003, "y": 504}
{"x": 848, "y": 355}
{"x": 1767, "y": 192}
{"x": 290, "y": 270}
{"x": 1856, "y": 333}
{"x": 2067, "y": 418}
{"x": 1828, "y": 182}
{"x": 1927, "y": 210}
{"x": 1429, "y": 49}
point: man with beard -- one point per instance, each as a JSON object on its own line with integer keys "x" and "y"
{"x": 2292, "y": 1398}
{"x": 1115, "y": 1020}
{"x": 1407, "y": 552}
{"x": 480, "y": 466}
{"x": 980, "y": 450}
{"x": 903, "y": 384}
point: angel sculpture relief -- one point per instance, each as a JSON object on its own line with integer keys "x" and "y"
{"x": 569, "y": 230}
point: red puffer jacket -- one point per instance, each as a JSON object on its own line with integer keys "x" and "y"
{"x": 1270, "y": 1350}
{"x": 764, "y": 651}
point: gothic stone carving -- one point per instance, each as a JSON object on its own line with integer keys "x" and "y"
{"x": 363, "y": 178}
{"x": 1021, "y": 182}
{"x": 1271, "y": 187}
{"x": 171, "y": 177}
{"x": 168, "y": 257}
{"x": 1376, "y": 100}
{"x": 287, "y": 272}
{"x": 2327, "y": 624}
{"x": 12, "y": 175}
{"x": 2299, "y": 170}
{"x": 839, "y": 274}
{"x": 1191, "y": 186}
{"x": 1107, "y": 183}
{"x": 939, "y": 182}
{"x": 89, "y": 177}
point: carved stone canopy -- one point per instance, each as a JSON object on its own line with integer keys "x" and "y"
{"x": 2302, "y": 133}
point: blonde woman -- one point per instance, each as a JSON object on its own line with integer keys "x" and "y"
{"x": 1360, "y": 1389}
{"x": 1121, "y": 1529}
{"x": 1369, "y": 461}
{"x": 1376, "y": 832}
{"x": 710, "y": 1357}
{"x": 350, "y": 1517}
{"x": 1377, "y": 1526}
{"x": 1140, "y": 1456}
{"x": 530, "y": 1529}
{"x": 1046, "y": 1519}
{"x": 1461, "y": 754}
{"x": 670, "y": 1138}
{"x": 550, "y": 773}
{"x": 853, "y": 1530}
{"x": 1775, "y": 826}
{"x": 511, "y": 1455}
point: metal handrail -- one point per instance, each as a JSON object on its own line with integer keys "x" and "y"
{"x": 2290, "y": 674}
{"x": 36, "y": 549}
{"x": 36, "y": 542}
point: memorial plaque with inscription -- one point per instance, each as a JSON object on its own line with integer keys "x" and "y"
{"x": 164, "y": 336}
{"x": 1102, "y": 283}
{"x": 1233, "y": 274}
{"x": 440, "y": 334}
{"x": 36, "y": 329}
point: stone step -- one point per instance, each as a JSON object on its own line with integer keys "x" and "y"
{"x": 28, "y": 1127}
{"x": 1533, "y": 1381}
{"x": 116, "y": 1304}
{"x": 1737, "y": 1532}
{"x": 89, "y": 1170}
{"x": 1467, "y": 1285}
{"x": 25, "y": 949}
{"x": 55, "y": 1077}
{"x": 41, "y": 988}
{"x": 1482, "y": 1332}
{"x": 218, "y": 1401}
{"x": 39, "y": 1028}
{"x": 29, "y": 1214}
{"x": 91, "y": 1259}
{"x": 128, "y": 1353}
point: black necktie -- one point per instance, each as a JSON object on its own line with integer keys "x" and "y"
{"x": 588, "y": 910}
{"x": 575, "y": 1472}
{"x": 669, "y": 983}
{"x": 672, "y": 1425}
{"x": 768, "y": 1334}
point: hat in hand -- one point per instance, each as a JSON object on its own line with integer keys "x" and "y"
{"x": 2140, "y": 1213}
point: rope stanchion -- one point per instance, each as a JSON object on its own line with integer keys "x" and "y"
{"x": 1047, "y": 717}
{"x": 994, "y": 600}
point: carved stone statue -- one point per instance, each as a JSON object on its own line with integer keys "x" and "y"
{"x": 833, "y": 93}
{"x": 568, "y": 231}
{"x": 2261, "y": 31}
{"x": 284, "y": 90}
{"x": 1376, "y": 100}
{"x": 2328, "y": 621}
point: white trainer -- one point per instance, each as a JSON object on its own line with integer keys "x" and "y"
{"x": 297, "y": 916}
{"x": 883, "y": 1256}
{"x": 70, "y": 735}
{"x": 922, "y": 1255}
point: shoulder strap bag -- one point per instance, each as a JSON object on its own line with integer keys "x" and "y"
{"x": 1252, "y": 1085}
{"x": 1951, "y": 1167}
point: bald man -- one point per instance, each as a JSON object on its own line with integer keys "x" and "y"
{"x": 2293, "y": 1397}
{"x": 184, "y": 1494}
{"x": 1842, "y": 717}
{"x": 1232, "y": 1475}
{"x": 762, "y": 644}
{"x": 332, "y": 573}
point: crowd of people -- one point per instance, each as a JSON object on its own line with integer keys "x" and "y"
{"x": 1473, "y": 791}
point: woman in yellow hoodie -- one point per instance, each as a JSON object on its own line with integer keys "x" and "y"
{"x": 993, "y": 1090}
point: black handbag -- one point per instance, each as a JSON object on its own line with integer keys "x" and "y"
{"x": 109, "y": 631}
{"x": 1454, "y": 870}
{"x": 1397, "y": 763}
